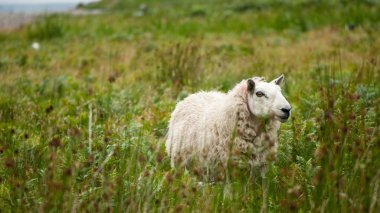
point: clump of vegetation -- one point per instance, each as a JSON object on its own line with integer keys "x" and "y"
{"x": 82, "y": 124}
{"x": 49, "y": 27}
{"x": 180, "y": 64}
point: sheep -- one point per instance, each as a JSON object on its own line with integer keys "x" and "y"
{"x": 239, "y": 126}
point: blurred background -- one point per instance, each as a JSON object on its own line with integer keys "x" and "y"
{"x": 87, "y": 89}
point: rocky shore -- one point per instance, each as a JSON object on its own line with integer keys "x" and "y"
{"x": 13, "y": 20}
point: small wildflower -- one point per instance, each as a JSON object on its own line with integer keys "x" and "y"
{"x": 293, "y": 206}
{"x": 271, "y": 156}
{"x": 373, "y": 61}
{"x": 128, "y": 201}
{"x": 74, "y": 132}
{"x": 178, "y": 174}
{"x": 90, "y": 91}
{"x": 15, "y": 183}
{"x": 317, "y": 177}
{"x": 295, "y": 191}
{"x": 337, "y": 137}
{"x": 219, "y": 178}
{"x": 106, "y": 139}
{"x": 9, "y": 163}
{"x": 178, "y": 208}
{"x": 55, "y": 142}
{"x": 194, "y": 189}
{"x": 157, "y": 201}
{"x": 288, "y": 204}
{"x": 89, "y": 161}
{"x": 54, "y": 186}
{"x": 320, "y": 152}
{"x": 183, "y": 186}
{"x": 169, "y": 177}
{"x": 36, "y": 45}
{"x": 52, "y": 157}
{"x": 49, "y": 109}
{"x": 159, "y": 157}
{"x": 146, "y": 173}
{"x": 141, "y": 159}
{"x": 68, "y": 172}
{"x": 272, "y": 143}
{"x": 197, "y": 172}
{"x": 328, "y": 115}
{"x": 111, "y": 79}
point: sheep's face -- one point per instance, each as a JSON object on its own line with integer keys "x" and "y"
{"x": 265, "y": 100}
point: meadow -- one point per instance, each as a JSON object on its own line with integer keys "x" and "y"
{"x": 83, "y": 118}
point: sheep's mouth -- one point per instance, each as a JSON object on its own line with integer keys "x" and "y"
{"x": 283, "y": 118}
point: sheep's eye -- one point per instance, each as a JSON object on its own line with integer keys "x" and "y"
{"x": 259, "y": 94}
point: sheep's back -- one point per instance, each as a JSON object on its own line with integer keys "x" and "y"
{"x": 188, "y": 124}
{"x": 197, "y": 104}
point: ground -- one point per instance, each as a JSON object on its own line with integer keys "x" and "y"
{"x": 83, "y": 119}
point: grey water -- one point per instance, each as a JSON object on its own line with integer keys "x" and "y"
{"x": 37, "y": 8}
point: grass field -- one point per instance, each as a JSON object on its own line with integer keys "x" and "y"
{"x": 83, "y": 119}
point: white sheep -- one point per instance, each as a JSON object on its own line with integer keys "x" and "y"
{"x": 214, "y": 127}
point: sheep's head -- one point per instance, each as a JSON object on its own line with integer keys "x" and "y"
{"x": 265, "y": 100}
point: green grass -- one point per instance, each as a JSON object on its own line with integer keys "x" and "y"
{"x": 126, "y": 69}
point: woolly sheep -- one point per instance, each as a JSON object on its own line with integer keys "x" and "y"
{"x": 241, "y": 126}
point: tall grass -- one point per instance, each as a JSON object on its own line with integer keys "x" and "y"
{"x": 328, "y": 151}
{"x": 180, "y": 64}
{"x": 49, "y": 27}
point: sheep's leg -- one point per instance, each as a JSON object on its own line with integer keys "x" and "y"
{"x": 223, "y": 164}
{"x": 227, "y": 185}
{"x": 264, "y": 186}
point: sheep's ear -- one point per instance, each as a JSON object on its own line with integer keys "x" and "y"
{"x": 250, "y": 85}
{"x": 278, "y": 80}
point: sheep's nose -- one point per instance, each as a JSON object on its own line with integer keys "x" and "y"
{"x": 286, "y": 110}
